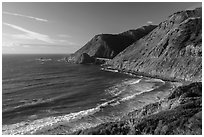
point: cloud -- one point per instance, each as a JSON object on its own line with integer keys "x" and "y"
{"x": 30, "y": 34}
{"x": 44, "y": 45}
{"x": 21, "y": 36}
{"x": 66, "y": 42}
{"x": 26, "y": 46}
{"x": 25, "y": 16}
{"x": 10, "y": 44}
{"x": 149, "y": 22}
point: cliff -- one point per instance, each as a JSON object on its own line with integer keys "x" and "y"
{"x": 109, "y": 45}
{"x": 172, "y": 50}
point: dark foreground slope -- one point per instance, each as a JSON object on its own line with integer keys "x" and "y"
{"x": 109, "y": 45}
{"x": 172, "y": 50}
{"x": 179, "y": 113}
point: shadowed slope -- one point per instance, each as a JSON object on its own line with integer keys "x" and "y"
{"x": 109, "y": 45}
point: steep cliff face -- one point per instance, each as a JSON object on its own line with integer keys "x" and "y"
{"x": 109, "y": 45}
{"x": 172, "y": 50}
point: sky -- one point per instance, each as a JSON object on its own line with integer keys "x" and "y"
{"x": 64, "y": 27}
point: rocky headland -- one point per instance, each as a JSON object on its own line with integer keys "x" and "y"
{"x": 170, "y": 51}
{"x": 108, "y": 45}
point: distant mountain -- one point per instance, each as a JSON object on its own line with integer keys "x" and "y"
{"x": 109, "y": 45}
{"x": 172, "y": 50}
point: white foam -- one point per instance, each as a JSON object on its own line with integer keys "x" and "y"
{"x": 121, "y": 87}
{"x": 114, "y": 91}
{"x": 36, "y": 125}
{"x": 27, "y": 103}
{"x": 111, "y": 70}
{"x": 116, "y": 103}
{"x": 131, "y": 82}
{"x": 44, "y": 59}
{"x": 155, "y": 80}
{"x": 133, "y": 95}
{"x": 106, "y": 103}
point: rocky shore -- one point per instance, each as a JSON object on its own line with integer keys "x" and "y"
{"x": 179, "y": 113}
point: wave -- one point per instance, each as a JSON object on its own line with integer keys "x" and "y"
{"x": 116, "y": 103}
{"x": 114, "y": 91}
{"x": 154, "y": 80}
{"x": 44, "y": 59}
{"x": 36, "y": 102}
{"x": 108, "y": 69}
{"x": 36, "y": 76}
{"x": 132, "y": 82}
{"x": 30, "y": 127}
{"x": 27, "y": 127}
{"x": 31, "y": 86}
{"x": 119, "y": 88}
{"x": 136, "y": 94}
{"x": 27, "y": 103}
{"x": 129, "y": 89}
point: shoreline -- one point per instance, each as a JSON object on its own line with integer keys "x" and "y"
{"x": 149, "y": 98}
{"x": 141, "y": 74}
{"x": 183, "y": 106}
{"x": 54, "y": 124}
{"x": 53, "y": 127}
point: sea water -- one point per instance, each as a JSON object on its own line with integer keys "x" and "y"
{"x": 39, "y": 91}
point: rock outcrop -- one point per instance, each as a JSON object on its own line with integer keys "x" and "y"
{"x": 109, "y": 45}
{"x": 172, "y": 50}
{"x": 179, "y": 113}
{"x": 85, "y": 59}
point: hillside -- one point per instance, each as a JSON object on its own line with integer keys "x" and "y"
{"x": 179, "y": 113}
{"x": 172, "y": 50}
{"x": 109, "y": 45}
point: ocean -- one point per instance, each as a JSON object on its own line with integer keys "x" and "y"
{"x": 39, "y": 91}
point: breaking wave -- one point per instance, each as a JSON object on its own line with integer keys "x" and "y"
{"x": 36, "y": 125}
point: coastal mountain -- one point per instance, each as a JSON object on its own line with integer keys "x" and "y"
{"x": 109, "y": 45}
{"x": 172, "y": 50}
